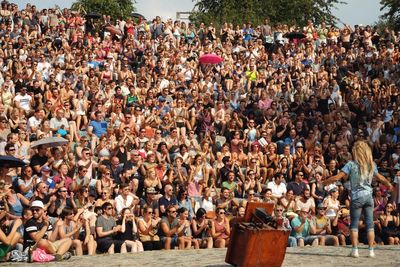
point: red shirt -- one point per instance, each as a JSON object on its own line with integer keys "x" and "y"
{"x": 67, "y": 181}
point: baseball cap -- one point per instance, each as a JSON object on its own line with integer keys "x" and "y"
{"x": 299, "y": 144}
{"x": 45, "y": 169}
{"x": 151, "y": 190}
{"x": 161, "y": 99}
{"x": 37, "y": 204}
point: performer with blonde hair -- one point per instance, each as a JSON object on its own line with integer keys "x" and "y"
{"x": 360, "y": 172}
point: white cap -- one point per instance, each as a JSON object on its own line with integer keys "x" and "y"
{"x": 37, "y": 204}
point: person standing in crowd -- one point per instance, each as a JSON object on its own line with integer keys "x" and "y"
{"x": 360, "y": 171}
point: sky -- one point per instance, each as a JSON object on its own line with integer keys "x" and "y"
{"x": 354, "y": 12}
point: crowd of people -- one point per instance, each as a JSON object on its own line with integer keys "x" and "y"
{"x": 164, "y": 152}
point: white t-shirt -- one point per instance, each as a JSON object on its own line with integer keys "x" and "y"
{"x": 56, "y": 123}
{"x": 120, "y": 203}
{"x": 33, "y": 122}
{"x": 277, "y": 190}
{"x": 24, "y": 101}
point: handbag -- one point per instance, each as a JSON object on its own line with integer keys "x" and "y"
{"x": 39, "y": 255}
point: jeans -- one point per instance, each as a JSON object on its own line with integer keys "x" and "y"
{"x": 365, "y": 203}
{"x": 292, "y": 241}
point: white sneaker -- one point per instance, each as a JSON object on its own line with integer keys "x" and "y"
{"x": 371, "y": 253}
{"x": 354, "y": 253}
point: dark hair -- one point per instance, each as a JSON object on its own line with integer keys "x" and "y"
{"x": 81, "y": 167}
{"x": 180, "y": 193}
{"x": 218, "y": 209}
{"x": 8, "y": 146}
{"x": 224, "y": 188}
{"x": 123, "y": 210}
{"x": 106, "y": 205}
{"x": 65, "y": 212}
{"x": 266, "y": 190}
{"x": 182, "y": 210}
{"x": 200, "y": 213}
{"x": 226, "y": 159}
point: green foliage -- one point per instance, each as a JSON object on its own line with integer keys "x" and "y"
{"x": 114, "y": 8}
{"x": 279, "y": 11}
{"x": 392, "y": 14}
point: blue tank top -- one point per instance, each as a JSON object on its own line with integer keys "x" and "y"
{"x": 16, "y": 208}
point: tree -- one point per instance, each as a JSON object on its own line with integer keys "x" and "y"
{"x": 279, "y": 11}
{"x": 392, "y": 15}
{"x": 114, "y": 8}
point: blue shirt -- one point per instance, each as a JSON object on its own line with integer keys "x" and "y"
{"x": 99, "y": 127}
{"x": 358, "y": 187}
{"x": 296, "y": 222}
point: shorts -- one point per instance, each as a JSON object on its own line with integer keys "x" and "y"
{"x": 174, "y": 241}
{"x": 56, "y": 244}
{"x": 4, "y": 249}
{"x": 103, "y": 244}
{"x": 180, "y": 124}
{"x": 308, "y": 240}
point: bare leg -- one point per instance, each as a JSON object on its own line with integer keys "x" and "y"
{"x": 371, "y": 238}
{"x": 92, "y": 245}
{"x": 111, "y": 249}
{"x": 77, "y": 244}
{"x": 181, "y": 242}
{"x": 354, "y": 238}
{"x": 321, "y": 240}
{"x": 65, "y": 245}
{"x": 220, "y": 243}
{"x": 209, "y": 242}
{"x": 167, "y": 243}
{"x": 78, "y": 122}
{"x": 139, "y": 246}
{"x": 123, "y": 248}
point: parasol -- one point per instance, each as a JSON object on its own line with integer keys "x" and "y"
{"x": 294, "y": 35}
{"x": 138, "y": 16}
{"x": 10, "y": 162}
{"x": 93, "y": 16}
{"x": 210, "y": 59}
{"x": 50, "y": 142}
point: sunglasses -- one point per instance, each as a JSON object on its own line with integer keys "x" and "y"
{"x": 35, "y": 210}
{"x": 221, "y": 213}
{"x": 279, "y": 210}
{"x": 149, "y": 212}
{"x": 63, "y": 191}
{"x": 110, "y": 208}
{"x": 172, "y": 211}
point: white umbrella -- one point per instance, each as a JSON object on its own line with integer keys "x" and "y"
{"x": 50, "y": 142}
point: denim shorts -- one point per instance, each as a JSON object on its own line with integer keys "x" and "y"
{"x": 359, "y": 204}
{"x": 308, "y": 240}
{"x": 174, "y": 241}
